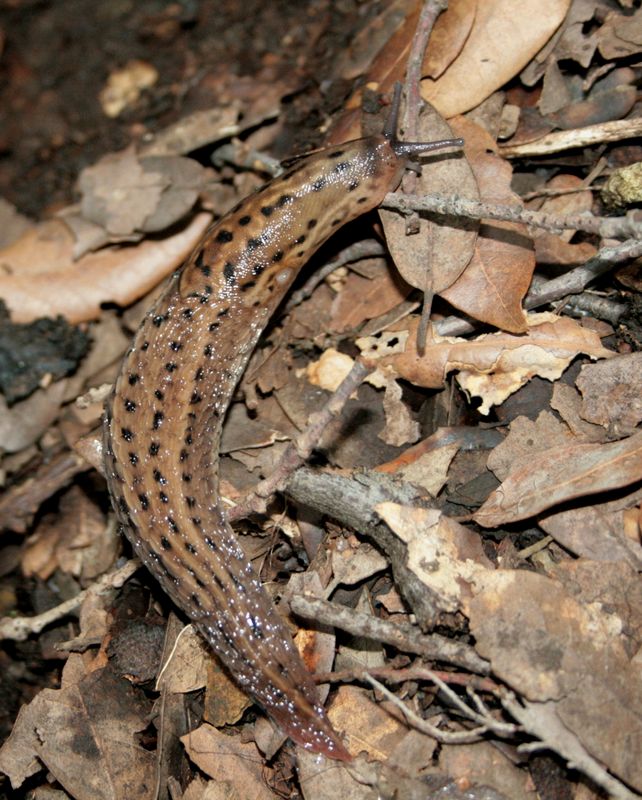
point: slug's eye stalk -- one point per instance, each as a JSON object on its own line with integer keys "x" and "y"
{"x": 408, "y": 148}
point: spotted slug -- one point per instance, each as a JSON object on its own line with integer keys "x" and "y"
{"x": 162, "y": 423}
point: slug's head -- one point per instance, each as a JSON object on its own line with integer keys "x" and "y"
{"x": 405, "y": 149}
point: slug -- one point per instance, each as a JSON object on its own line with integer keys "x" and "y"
{"x": 162, "y": 423}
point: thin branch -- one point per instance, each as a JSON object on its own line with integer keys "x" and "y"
{"x": 300, "y": 449}
{"x": 20, "y": 628}
{"x": 627, "y": 227}
{"x": 406, "y": 638}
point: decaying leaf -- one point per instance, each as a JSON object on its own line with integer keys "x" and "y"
{"x": 612, "y": 393}
{"x": 549, "y": 646}
{"x": 563, "y": 474}
{"x": 493, "y": 366}
{"x": 84, "y": 734}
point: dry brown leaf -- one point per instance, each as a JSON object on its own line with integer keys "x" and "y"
{"x": 366, "y": 725}
{"x": 525, "y": 439}
{"x": 433, "y": 258}
{"x": 492, "y": 366}
{"x": 449, "y": 36}
{"x": 185, "y": 669}
{"x": 493, "y": 285}
{"x": 229, "y": 761}
{"x": 567, "y": 402}
{"x": 549, "y": 646}
{"x": 40, "y": 278}
{"x": 128, "y": 195}
{"x": 504, "y": 37}
{"x": 85, "y": 735}
{"x": 401, "y": 427}
{"x": 621, "y": 35}
{"x": 612, "y": 393}
{"x": 597, "y": 531}
{"x": 362, "y": 298}
{"x": 563, "y": 474}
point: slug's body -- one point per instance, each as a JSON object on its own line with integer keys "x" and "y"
{"x": 163, "y": 421}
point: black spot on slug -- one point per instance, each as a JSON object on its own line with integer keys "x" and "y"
{"x": 133, "y": 459}
{"x": 277, "y": 256}
{"x": 245, "y": 220}
{"x": 198, "y": 375}
{"x": 159, "y": 477}
{"x": 191, "y": 501}
{"x": 353, "y": 185}
{"x": 207, "y": 350}
{"x": 126, "y": 434}
{"x": 299, "y": 239}
{"x": 223, "y": 313}
{"x": 183, "y": 455}
{"x": 187, "y": 477}
{"x": 158, "y": 320}
{"x": 144, "y": 501}
{"x": 171, "y": 366}
{"x": 158, "y": 394}
{"x": 130, "y": 406}
{"x": 172, "y": 524}
{"x": 154, "y": 448}
{"x": 165, "y": 543}
{"x": 224, "y": 236}
{"x": 195, "y": 398}
{"x": 190, "y": 548}
{"x": 319, "y": 184}
{"x": 175, "y": 346}
{"x": 133, "y": 378}
{"x": 342, "y": 166}
{"x": 312, "y": 223}
{"x": 284, "y": 200}
{"x": 158, "y": 420}
{"x": 194, "y": 599}
{"x": 336, "y": 154}
{"x": 210, "y": 543}
{"x": 144, "y": 346}
{"x": 228, "y": 272}
{"x": 163, "y": 497}
{"x": 188, "y": 313}
{"x": 267, "y": 211}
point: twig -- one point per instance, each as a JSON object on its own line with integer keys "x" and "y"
{"x": 614, "y": 131}
{"x": 20, "y": 628}
{"x": 485, "y": 722}
{"x": 541, "y": 721}
{"x": 299, "y": 450}
{"x": 406, "y": 638}
{"x": 607, "y": 227}
{"x": 354, "y": 252}
{"x": 393, "y": 674}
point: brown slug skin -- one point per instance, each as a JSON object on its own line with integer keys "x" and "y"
{"x": 163, "y": 421}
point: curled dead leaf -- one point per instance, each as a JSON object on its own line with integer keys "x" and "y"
{"x": 39, "y": 277}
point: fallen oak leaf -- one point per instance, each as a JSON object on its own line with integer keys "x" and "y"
{"x": 554, "y": 477}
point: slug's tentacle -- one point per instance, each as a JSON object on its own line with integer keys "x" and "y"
{"x": 163, "y": 422}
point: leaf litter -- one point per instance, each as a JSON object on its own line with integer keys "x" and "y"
{"x": 470, "y": 535}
